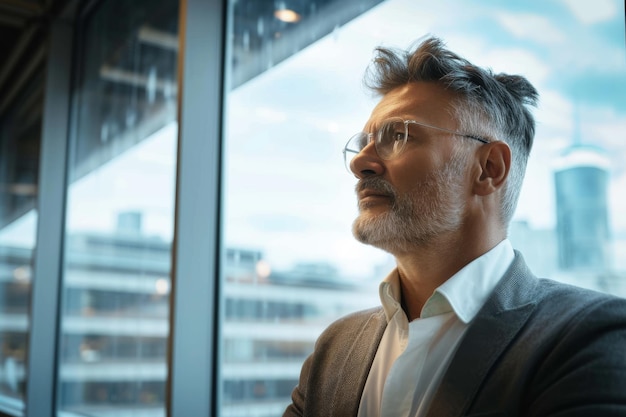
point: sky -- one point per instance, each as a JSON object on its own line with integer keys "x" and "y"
{"x": 286, "y": 190}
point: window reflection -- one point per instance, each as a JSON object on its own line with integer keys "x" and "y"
{"x": 119, "y": 221}
{"x": 20, "y": 139}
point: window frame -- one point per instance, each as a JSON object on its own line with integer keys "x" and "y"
{"x": 193, "y": 382}
{"x": 192, "y": 386}
{"x": 44, "y": 307}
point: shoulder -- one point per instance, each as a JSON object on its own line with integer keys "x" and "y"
{"x": 520, "y": 287}
{"x": 341, "y": 358}
{"x": 354, "y": 324}
{"x": 555, "y": 310}
{"x": 579, "y": 337}
{"x": 351, "y": 339}
{"x": 557, "y": 296}
{"x": 578, "y": 319}
{"x": 360, "y": 316}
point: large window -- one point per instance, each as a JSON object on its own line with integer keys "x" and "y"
{"x": 20, "y": 140}
{"x": 119, "y": 221}
{"x": 296, "y": 97}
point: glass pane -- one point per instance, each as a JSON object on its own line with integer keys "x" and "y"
{"x": 291, "y": 264}
{"x": 119, "y": 221}
{"x": 20, "y": 140}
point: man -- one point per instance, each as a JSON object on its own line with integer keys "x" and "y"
{"x": 465, "y": 328}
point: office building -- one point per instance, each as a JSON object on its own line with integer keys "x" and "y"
{"x": 114, "y": 346}
{"x": 581, "y": 184}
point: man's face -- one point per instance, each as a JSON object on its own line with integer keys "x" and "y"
{"x": 406, "y": 201}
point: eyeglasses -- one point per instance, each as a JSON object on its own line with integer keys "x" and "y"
{"x": 390, "y": 139}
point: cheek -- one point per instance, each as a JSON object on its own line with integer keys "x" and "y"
{"x": 405, "y": 181}
{"x": 418, "y": 165}
{"x": 407, "y": 176}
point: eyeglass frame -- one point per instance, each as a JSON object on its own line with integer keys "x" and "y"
{"x": 406, "y": 123}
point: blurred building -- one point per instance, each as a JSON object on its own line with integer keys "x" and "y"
{"x": 581, "y": 183}
{"x": 114, "y": 336}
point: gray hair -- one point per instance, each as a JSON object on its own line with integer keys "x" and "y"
{"x": 494, "y": 106}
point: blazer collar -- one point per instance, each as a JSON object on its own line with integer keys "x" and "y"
{"x": 499, "y": 320}
{"x": 361, "y": 354}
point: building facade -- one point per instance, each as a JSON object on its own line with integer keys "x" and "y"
{"x": 581, "y": 184}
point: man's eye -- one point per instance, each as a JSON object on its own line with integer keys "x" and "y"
{"x": 398, "y": 136}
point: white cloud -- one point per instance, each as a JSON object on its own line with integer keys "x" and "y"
{"x": 512, "y": 60}
{"x": 518, "y": 61}
{"x": 554, "y": 113}
{"x": 530, "y": 26}
{"x": 588, "y": 51}
{"x": 590, "y": 12}
{"x": 603, "y": 126}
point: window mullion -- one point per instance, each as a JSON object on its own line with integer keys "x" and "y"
{"x": 195, "y": 289}
{"x": 42, "y": 358}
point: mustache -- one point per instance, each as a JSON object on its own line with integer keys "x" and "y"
{"x": 376, "y": 184}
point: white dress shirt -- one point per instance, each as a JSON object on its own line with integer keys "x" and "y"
{"x": 412, "y": 357}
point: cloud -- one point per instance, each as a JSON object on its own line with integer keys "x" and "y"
{"x": 530, "y": 26}
{"x": 590, "y": 12}
{"x": 554, "y": 113}
{"x": 518, "y": 61}
{"x": 602, "y": 125}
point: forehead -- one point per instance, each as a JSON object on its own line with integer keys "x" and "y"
{"x": 429, "y": 102}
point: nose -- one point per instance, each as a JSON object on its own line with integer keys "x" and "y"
{"x": 367, "y": 162}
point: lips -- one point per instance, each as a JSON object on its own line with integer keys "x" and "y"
{"x": 369, "y": 198}
{"x": 372, "y": 190}
{"x": 372, "y": 193}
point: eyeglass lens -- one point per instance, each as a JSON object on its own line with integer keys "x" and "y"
{"x": 389, "y": 141}
{"x": 391, "y": 138}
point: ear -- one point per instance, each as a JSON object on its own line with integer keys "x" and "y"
{"x": 494, "y": 163}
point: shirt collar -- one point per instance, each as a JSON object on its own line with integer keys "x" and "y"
{"x": 389, "y": 292}
{"x": 464, "y": 293}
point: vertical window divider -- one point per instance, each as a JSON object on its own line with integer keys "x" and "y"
{"x": 42, "y": 358}
{"x": 194, "y": 314}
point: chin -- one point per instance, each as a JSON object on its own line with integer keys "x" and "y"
{"x": 379, "y": 230}
{"x": 393, "y": 233}
{"x": 391, "y": 246}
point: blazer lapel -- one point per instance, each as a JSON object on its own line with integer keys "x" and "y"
{"x": 355, "y": 370}
{"x": 488, "y": 335}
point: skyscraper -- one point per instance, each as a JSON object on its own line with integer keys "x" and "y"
{"x": 581, "y": 183}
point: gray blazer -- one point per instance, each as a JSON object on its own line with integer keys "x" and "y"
{"x": 536, "y": 348}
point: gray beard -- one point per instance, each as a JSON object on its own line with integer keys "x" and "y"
{"x": 414, "y": 219}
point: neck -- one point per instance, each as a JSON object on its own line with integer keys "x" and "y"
{"x": 423, "y": 269}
